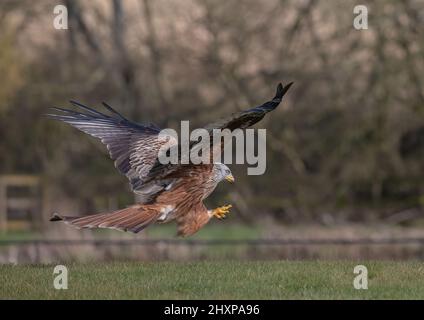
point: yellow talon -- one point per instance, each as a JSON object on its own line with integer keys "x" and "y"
{"x": 221, "y": 212}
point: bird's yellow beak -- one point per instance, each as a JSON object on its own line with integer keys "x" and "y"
{"x": 230, "y": 178}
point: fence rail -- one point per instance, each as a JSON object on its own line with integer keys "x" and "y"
{"x": 30, "y": 203}
{"x": 52, "y": 250}
{"x": 218, "y": 242}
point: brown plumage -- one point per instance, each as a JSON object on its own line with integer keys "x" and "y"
{"x": 167, "y": 192}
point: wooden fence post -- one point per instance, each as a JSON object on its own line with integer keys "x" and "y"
{"x": 3, "y": 206}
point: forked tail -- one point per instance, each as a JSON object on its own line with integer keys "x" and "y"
{"x": 132, "y": 219}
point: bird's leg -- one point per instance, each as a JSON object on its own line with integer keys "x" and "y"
{"x": 221, "y": 212}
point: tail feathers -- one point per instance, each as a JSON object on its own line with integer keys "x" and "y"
{"x": 132, "y": 219}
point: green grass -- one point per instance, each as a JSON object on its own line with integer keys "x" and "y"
{"x": 215, "y": 280}
{"x": 18, "y": 235}
{"x": 214, "y": 230}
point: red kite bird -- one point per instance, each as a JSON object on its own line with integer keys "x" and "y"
{"x": 167, "y": 192}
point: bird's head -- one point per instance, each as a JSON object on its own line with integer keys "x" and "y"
{"x": 223, "y": 172}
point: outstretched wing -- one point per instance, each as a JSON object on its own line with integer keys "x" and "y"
{"x": 247, "y": 118}
{"x": 241, "y": 120}
{"x": 133, "y": 147}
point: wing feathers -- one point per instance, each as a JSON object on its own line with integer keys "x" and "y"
{"x": 88, "y": 109}
{"x": 113, "y": 111}
{"x": 242, "y": 120}
{"x": 133, "y": 147}
{"x": 271, "y": 105}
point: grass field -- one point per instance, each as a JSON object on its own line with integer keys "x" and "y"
{"x": 215, "y": 280}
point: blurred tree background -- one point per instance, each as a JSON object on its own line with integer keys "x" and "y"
{"x": 346, "y": 145}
